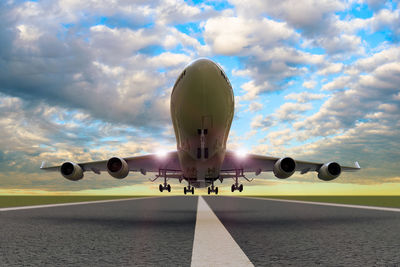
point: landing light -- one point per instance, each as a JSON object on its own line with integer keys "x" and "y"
{"x": 241, "y": 153}
{"x": 161, "y": 153}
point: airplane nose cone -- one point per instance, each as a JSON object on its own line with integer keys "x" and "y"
{"x": 203, "y": 63}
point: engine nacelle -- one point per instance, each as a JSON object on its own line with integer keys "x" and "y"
{"x": 329, "y": 171}
{"x": 71, "y": 171}
{"x": 117, "y": 167}
{"x": 284, "y": 168}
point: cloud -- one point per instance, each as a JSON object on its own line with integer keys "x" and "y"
{"x": 331, "y": 69}
{"x": 365, "y": 95}
{"x": 309, "y": 84}
{"x": 101, "y": 70}
{"x": 240, "y": 34}
{"x": 280, "y": 138}
{"x": 304, "y": 97}
{"x": 261, "y": 122}
{"x": 291, "y": 111}
{"x": 255, "y": 106}
{"x": 340, "y": 83}
{"x": 310, "y": 16}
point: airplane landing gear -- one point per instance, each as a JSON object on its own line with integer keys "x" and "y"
{"x": 213, "y": 189}
{"x": 237, "y": 187}
{"x": 165, "y": 186}
{"x": 188, "y": 189}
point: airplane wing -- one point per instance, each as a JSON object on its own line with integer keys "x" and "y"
{"x": 143, "y": 164}
{"x": 258, "y": 163}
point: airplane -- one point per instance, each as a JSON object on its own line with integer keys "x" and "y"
{"x": 202, "y": 109}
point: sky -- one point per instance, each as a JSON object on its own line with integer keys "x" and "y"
{"x": 315, "y": 80}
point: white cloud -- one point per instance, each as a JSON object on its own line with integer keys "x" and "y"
{"x": 233, "y": 35}
{"x": 261, "y": 122}
{"x": 280, "y": 138}
{"x": 255, "y": 106}
{"x": 309, "y": 84}
{"x": 367, "y": 94}
{"x": 292, "y": 111}
{"x": 331, "y": 69}
{"x": 252, "y": 90}
{"x": 310, "y": 15}
{"x": 340, "y": 83}
{"x": 304, "y": 97}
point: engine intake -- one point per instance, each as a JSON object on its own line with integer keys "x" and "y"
{"x": 284, "y": 168}
{"x": 329, "y": 171}
{"x": 117, "y": 167}
{"x": 71, "y": 171}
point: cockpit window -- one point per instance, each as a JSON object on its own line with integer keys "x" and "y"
{"x": 178, "y": 80}
{"x": 226, "y": 78}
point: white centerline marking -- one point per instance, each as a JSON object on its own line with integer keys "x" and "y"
{"x": 213, "y": 245}
{"x": 70, "y": 204}
{"x": 328, "y": 204}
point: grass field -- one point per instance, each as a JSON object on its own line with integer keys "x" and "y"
{"x": 380, "y": 201}
{"x": 16, "y": 201}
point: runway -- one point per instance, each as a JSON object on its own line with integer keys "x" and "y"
{"x": 172, "y": 231}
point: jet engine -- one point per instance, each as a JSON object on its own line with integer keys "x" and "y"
{"x": 329, "y": 171}
{"x": 71, "y": 171}
{"x": 284, "y": 167}
{"x": 117, "y": 167}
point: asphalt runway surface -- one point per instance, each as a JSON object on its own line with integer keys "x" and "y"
{"x": 161, "y": 232}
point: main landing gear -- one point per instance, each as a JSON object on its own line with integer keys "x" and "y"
{"x": 213, "y": 189}
{"x": 165, "y": 186}
{"x": 235, "y": 186}
{"x": 188, "y": 189}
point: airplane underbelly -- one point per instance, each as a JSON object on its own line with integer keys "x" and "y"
{"x": 202, "y": 111}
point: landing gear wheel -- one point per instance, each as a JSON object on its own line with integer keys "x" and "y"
{"x": 233, "y": 188}
{"x": 169, "y": 188}
{"x": 240, "y": 188}
{"x": 209, "y": 190}
{"x": 192, "y": 190}
{"x": 184, "y": 190}
{"x": 161, "y": 188}
{"x": 216, "y": 190}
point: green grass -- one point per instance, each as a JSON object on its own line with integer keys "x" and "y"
{"x": 380, "y": 201}
{"x": 16, "y": 201}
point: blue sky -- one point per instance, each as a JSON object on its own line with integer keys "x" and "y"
{"x": 314, "y": 80}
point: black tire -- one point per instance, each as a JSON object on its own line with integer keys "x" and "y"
{"x": 233, "y": 188}
{"x": 240, "y": 188}
{"x": 169, "y": 188}
{"x": 209, "y": 190}
{"x": 192, "y": 190}
{"x": 216, "y": 190}
{"x": 161, "y": 188}
{"x": 184, "y": 190}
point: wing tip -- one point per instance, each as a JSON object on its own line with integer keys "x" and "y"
{"x": 44, "y": 164}
{"x": 357, "y": 165}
